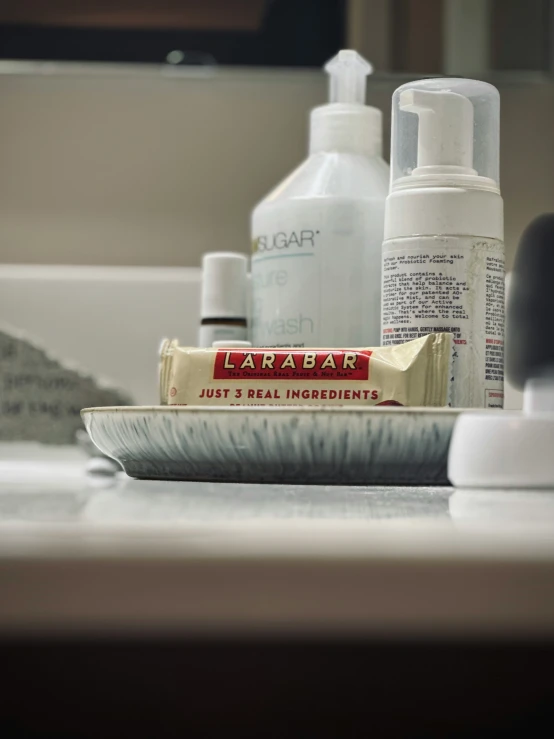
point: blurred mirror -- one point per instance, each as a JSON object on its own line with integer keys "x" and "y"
{"x": 453, "y": 37}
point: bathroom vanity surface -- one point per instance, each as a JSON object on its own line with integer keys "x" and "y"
{"x": 108, "y": 554}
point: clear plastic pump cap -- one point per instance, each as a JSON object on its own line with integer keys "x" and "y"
{"x": 445, "y": 132}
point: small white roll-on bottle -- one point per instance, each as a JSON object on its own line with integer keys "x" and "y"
{"x": 224, "y": 298}
{"x": 231, "y": 344}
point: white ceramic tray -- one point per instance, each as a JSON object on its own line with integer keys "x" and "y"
{"x": 323, "y": 445}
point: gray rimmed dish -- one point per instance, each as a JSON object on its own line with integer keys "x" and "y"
{"x": 307, "y": 445}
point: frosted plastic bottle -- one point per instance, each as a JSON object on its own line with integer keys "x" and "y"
{"x": 317, "y": 237}
{"x": 443, "y": 254}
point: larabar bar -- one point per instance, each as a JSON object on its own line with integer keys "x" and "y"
{"x": 417, "y": 373}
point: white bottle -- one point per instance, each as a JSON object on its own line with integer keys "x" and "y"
{"x": 224, "y": 298}
{"x": 317, "y": 237}
{"x": 443, "y": 254}
{"x": 229, "y": 344}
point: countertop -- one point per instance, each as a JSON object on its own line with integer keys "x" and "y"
{"x": 108, "y": 554}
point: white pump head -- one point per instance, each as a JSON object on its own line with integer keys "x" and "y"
{"x": 346, "y": 124}
{"x": 347, "y": 77}
{"x": 445, "y": 136}
{"x": 445, "y": 132}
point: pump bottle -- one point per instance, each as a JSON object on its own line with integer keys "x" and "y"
{"x": 317, "y": 236}
{"x": 443, "y": 253}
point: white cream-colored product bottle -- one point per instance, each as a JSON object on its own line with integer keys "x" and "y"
{"x": 317, "y": 237}
{"x": 443, "y": 253}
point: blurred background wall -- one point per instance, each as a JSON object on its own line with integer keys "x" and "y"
{"x": 142, "y": 164}
{"x": 125, "y": 167}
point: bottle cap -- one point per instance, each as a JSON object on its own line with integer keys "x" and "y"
{"x": 231, "y": 344}
{"x": 347, "y": 77}
{"x": 346, "y": 123}
{"x": 445, "y": 132}
{"x": 224, "y": 285}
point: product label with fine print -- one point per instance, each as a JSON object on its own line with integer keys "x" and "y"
{"x": 453, "y": 284}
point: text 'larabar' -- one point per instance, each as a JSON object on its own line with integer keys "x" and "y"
{"x": 284, "y": 365}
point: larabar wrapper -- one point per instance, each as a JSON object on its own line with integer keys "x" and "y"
{"x": 417, "y": 373}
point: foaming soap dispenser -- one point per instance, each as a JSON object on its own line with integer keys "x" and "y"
{"x": 316, "y": 238}
{"x": 506, "y": 450}
{"x": 443, "y": 254}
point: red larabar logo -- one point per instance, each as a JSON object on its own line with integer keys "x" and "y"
{"x": 303, "y": 364}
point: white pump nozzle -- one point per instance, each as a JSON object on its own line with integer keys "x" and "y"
{"x": 347, "y": 77}
{"x": 346, "y": 124}
{"x": 445, "y": 135}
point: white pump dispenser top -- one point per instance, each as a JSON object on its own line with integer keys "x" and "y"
{"x": 445, "y": 136}
{"x": 346, "y": 124}
{"x": 445, "y": 147}
{"x": 445, "y": 133}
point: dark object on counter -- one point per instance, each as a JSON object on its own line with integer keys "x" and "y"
{"x": 512, "y": 451}
{"x": 530, "y": 310}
